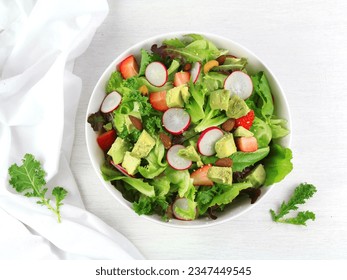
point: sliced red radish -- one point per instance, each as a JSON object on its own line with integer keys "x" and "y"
{"x": 129, "y": 67}
{"x": 106, "y": 139}
{"x": 158, "y": 100}
{"x": 208, "y": 139}
{"x": 181, "y": 78}
{"x": 121, "y": 169}
{"x": 195, "y": 72}
{"x": 111, "y": 102}
{"x": 156, "y": 74}
{"x": 176, "y": 120}
{"x": 200, "y": 178}
{"x": 175, "y": 161}
{"x": 181, "y": 203}
{"x": 239, "y": 83}
{"x": 246, "y": 144}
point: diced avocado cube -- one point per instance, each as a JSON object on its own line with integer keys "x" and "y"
{"x": 257, "y": 176}
{"x": 237, "y": 107}
{"x": 174, "y": 98}
{"x": 219, "y": 99}
{"x": 108, "y": 126}
{"x": 191, "y": 154}
{"x": 185, "y": 94}
{"x": 118, "y": 149}
{"x": 144, "y": 145}
{"x": 242, "y": 132}
{"x": 225, "y": 146}
{"x": 220, "y": 175}
{"x": 130, "y": 163}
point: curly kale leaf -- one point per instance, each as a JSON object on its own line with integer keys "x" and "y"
{"x": 29, "y": 179}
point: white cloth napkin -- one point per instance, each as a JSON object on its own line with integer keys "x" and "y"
{"x": 39, "y": 41}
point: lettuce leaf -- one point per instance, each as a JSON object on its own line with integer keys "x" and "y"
{"x": 154, "y": 159}
{"x": 97, "y": 121}
{"x": 175, "y": 42}
{"x": 195, "y": 106}
{"x": 213, "y": 81}
{"x": 139, "y": 185}
{"x": 161, "y": 185}
{"x": 261, "y": 99}
{"x": 219, "y": 195}
{"x": 173, "y": 69}
{"x": 198, "y": 50}
{"x": 194, "y": 37}
{"x": 188, "y": 213}
{"x": 183, "y": 181}
{"x": 146, "y": 59}
{"x": 212, "y": 118}
{"x": 243, "y": 159}
{"x": 153, "y": 125}
{"x": 278, "y": 127}
{"x": 229, "y": 194}
{"x": 262, "y": 132}
{"x": 231, "y": 64}
{"x": 110, "y": 174}
{"x": 150, "y": 205}
{"x": 277, "y": 164}
{"x": 114, "y": 82}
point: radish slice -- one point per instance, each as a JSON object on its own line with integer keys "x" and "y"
{"x": 156, "y": 74}
{"x": 239, "y": 83}
{"x": 180, "y": 203}
{"x": 208, "y": 139}
{"x": 121, "y": 169}
{"x": 175, "y": 161}
{"x": 176, "y": 120}
{"x": 195, "y": 72}
{"x": 111, "y": 102}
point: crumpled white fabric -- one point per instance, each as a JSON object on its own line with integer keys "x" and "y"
{"x": 39, "y": 41}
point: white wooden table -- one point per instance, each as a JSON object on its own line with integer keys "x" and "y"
{"x": 305, "y": 45}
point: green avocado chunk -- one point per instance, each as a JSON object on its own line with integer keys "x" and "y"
{"x": 191, "y": 154}
{"x": 220, "y": 175}
{"x": 177, "y": 96}
{"x": 257, "y": 176}
{"x": 118, "y": 149}
{"x": 130, "y": 163}
{"x": 219, "y": 99}
{"x": 143, "y": 146}
{"x": 185, "y": 94}
{"x": 242, "y": 132}
{"x": 225, "y": 146}
{"x": 237, "y": 107}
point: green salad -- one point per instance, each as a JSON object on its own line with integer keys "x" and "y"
{"x": 186, "y": 130}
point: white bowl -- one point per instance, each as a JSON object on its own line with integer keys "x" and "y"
{"x": 239, "y": 206}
